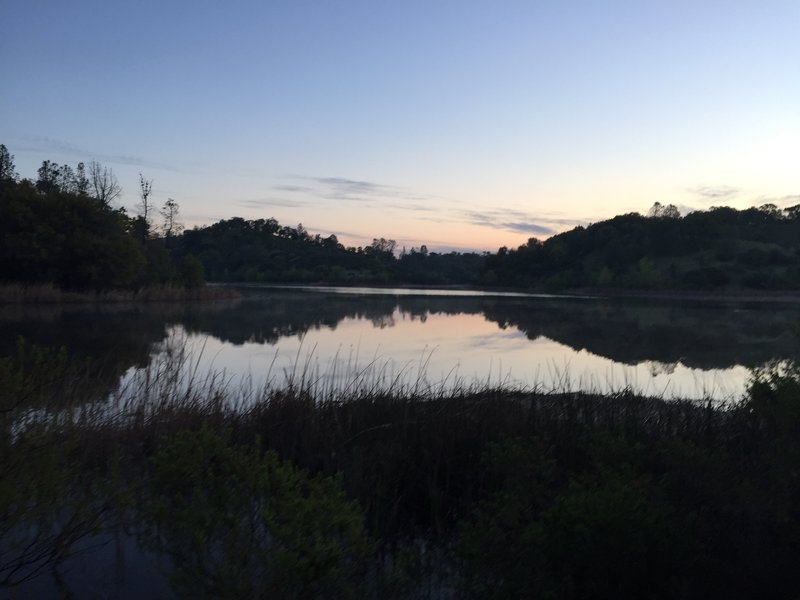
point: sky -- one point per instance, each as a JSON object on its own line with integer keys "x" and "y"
{"x": 464, "y": 125}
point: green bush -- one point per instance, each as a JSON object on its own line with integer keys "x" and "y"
{"x": 603, "y": 532}
{"x": 239, "y": 524}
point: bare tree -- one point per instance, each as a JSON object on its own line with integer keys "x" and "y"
{"x": 170, "y": 214}
{"x": 104, "y": 183}
{"x": 145, "y": 207}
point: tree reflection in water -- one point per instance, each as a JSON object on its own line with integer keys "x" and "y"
{"x": 658, "y": 336}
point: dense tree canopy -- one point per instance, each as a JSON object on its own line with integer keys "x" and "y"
{"x": 757, "y": 248}
{"x": 262, "y": 250}
{"x": 54, "y": 231}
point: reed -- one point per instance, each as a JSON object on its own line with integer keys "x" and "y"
{"x": 439, "y": 473}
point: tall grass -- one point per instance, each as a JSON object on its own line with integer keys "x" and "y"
{"x": 448, "y": 478}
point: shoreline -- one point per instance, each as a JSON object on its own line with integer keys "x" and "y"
{"x": 13, "y": 293}
{"x": 767, "y": 296}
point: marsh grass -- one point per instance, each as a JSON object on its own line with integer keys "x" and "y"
{"x": 457, "y": 485}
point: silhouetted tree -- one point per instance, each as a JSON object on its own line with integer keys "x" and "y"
{"x": 669, "y": 211}
{"x": 65, "y": 179}
{"x": 381, "y": 246}
{"x": 81, "y": 181}
{"x": 772, "y": 210}
{"x": 170, "y": 213}
{"x": 145, "y": 208}
{"x": 69, "y": 240}
{"x": 7, "y": 172}
{"x": 103, "y": 183}
{"x": 792, "y": 212}
{"x": 48, "y": 175}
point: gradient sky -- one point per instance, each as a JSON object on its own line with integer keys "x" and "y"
{"x": 458, "y": 124}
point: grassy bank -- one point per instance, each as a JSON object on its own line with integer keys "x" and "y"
{"x": 478, "y": 493}
{"x": 14, "y": 293}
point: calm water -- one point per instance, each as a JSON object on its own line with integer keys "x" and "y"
{"x": 335, "y": 337}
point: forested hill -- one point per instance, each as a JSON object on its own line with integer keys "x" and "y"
{"x": 62, "y": 229}
{"x": 722, "y": 248}
{"x": 264, "y": 251}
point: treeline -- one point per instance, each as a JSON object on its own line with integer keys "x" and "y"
{"x": 722, "y": 248}
{"x": 264, "y": 251}
{"x": 61, "y": 229}
{"x": 757, "y": 248}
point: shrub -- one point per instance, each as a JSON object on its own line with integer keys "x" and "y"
{"x": 239, "y": 524}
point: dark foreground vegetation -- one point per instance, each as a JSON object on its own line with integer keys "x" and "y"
{"x": 318, "y": 493}
{"x": 63, "y": 229}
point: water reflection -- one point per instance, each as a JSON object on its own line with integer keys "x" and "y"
{"x": 698, "y": 335}
{"x": 657, "y": 347}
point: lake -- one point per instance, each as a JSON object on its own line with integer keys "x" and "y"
{"x": 339, "y": 339}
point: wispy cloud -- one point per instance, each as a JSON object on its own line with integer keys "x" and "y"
{"x": 714, "y": 193}
{"x": 44, "y": 145}
{"x": 344, "y": 189}
{"x": 528, "y": 228}
{"x": 496, "y": 221}
{"x": 414, "y": 207}
{"x": 313, "y": 191}
{"x": 273, "y": 202}
{"x": 292, "y": 188}
{"x": 341, "y": 186}
{"x": 519, "y": 221}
